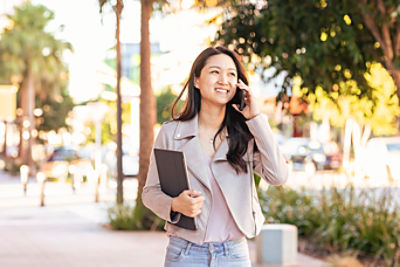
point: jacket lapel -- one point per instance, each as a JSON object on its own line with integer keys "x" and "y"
{"x": 222, "y": 150}
{"x": 192, "y": 150}
{"x": 195, "y": 161}
{"x": 193, "y": 154}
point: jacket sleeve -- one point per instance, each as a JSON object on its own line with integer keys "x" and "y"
{"x": 269, "y": 162}
{"x": 152, "y": 196}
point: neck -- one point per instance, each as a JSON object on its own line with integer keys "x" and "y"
{"x": 211, "y": 116}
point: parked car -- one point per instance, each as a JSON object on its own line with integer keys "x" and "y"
{"x": 64, "y": 160}
{"x": 310, "y": 155}
{"x": 382, "y": 158}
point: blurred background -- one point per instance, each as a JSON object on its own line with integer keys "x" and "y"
{"x": 86, "y": 85}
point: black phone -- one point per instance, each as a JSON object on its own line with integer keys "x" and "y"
{"x": 239, "y": 98}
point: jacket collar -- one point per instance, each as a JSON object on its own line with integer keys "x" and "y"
{"x": 192, "y": 149}
{"x": 189, "y": 128}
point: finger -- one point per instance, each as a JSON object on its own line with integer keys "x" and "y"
{"x": 196, "y": 213}
{"x": 198, "y": 200}
{"x": 190, "y": 214}
{"x": 245, "y": 87}
{"x": 195, "y": 208}
{"x": 197, "y": 205}
{"x": 193, "y": 193}
{"x": 242, "y": 85}
{"x": 236, "y": 106}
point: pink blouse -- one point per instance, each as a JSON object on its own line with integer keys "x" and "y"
{"x": 221, "y": 225}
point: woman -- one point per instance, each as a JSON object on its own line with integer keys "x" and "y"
{"x": 223, "y": 146}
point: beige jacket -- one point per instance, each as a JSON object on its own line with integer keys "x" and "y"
{"x": 238, "y": 189}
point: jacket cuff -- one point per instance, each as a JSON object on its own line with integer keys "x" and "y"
{"x": 258, "y": 123}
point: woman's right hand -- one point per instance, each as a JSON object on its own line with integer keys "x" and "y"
{"x": 189, "y": 203}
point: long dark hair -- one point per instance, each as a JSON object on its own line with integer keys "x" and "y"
{"x": 238, "y": 132}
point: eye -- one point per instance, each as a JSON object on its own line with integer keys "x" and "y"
{"x": 215, "y": 71}
{"x": 233, "y": 74}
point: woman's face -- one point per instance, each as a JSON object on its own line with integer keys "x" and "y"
{"x": 217, "y": 81}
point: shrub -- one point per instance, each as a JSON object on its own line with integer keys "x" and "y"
{"x": 338, "y": 220}
{"x": 122, "y": 217}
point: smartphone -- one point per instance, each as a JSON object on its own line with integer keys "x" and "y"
{"x": 239, "y": 98}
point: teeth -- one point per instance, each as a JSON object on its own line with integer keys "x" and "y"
{"x": 222, "y": 90}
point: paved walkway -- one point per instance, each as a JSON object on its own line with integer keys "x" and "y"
{"x": 68, "y": 231}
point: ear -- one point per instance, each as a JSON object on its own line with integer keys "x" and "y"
{"x": 196, "y": 82}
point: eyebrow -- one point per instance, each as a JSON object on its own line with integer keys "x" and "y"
{"x": 220, "y": 68}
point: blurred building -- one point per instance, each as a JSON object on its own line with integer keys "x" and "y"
{"x": 131, "y": 59}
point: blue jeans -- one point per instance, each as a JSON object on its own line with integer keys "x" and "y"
{"x": 182, "y": 253}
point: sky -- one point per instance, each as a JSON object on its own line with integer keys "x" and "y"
{"x": 92, "y": 34}
{"x": 184, "y": 35}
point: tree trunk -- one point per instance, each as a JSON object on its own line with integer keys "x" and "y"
{"x": 390, "y": 50}
{"x": 5, "y": 140}
{"x": 356, "y": 138}
{"x": 147, "y": 109}
{"x": 120, "y": 177}
{"x": 347, "y": 145}
{"x": 27, "y": 121}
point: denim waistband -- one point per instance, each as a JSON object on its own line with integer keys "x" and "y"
{"x": 213, "y": 247}
{"x": 182, "y": 242}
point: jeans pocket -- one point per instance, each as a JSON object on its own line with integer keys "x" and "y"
{"x": 174, "y": 253}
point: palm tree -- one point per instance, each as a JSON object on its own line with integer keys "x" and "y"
{"x": 33, "y": 58}
{"x": 147, "y": 104}
{"x": 118, "y": 10}
{"x": 147, "y": 112}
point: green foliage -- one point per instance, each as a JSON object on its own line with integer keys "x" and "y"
{"x": 125, "y": 217}
{"x": 379, "y": 110}
{"x": 165, "y": 99}
{"x": 55, "y": 111}
{"x": 26, "y": 45}
{"x": 323, "y": 42}
{"x": 106, "y": 132}
{"x": 121, "y": 218}
{"x": 338, "y": 220}
{"x": 109, "y": 123}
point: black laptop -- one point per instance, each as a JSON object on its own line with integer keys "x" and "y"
{"x": 171, "y": 166}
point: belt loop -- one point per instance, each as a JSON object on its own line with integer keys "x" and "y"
{"x": 189, "y": 245}
{"x": 226, "y": 248}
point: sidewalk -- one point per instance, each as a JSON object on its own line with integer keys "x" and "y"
{"x": 69, "y": 232}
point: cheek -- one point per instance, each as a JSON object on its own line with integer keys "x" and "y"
{"x": 232, "y": 93}
{"x": 203, "y": 91}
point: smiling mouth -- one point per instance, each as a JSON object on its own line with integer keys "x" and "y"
{"x": 220, "y": 90}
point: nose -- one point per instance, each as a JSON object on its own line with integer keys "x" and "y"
{"x": 223, "y": 79}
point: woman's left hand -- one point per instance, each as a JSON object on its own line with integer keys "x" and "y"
{"x": 251, "y": 109}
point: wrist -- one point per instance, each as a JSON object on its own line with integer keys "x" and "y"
{"x": 173, "y": 205}
{"x": 252, "y": 116}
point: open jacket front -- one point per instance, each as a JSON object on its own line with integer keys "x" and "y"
{"x": 238, "y": 189}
